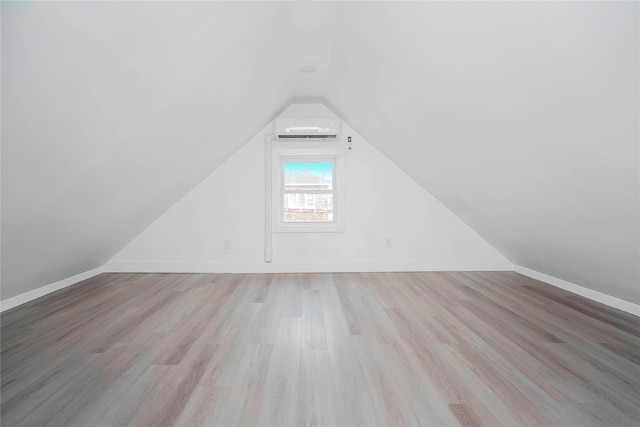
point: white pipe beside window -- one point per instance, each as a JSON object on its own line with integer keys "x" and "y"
{"x": 268, "y": 250}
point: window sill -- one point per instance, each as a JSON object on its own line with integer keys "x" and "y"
{"x": 307, "y": 228}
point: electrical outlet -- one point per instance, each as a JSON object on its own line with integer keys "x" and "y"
{"x": 227, "y": 243}
{"x": 387, "y": 242}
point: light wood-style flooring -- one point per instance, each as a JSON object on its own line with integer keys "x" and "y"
{"x": 370, "y": 349}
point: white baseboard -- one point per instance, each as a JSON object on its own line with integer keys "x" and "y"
{"x": 44, "y": 290}
{"x": 320, "y": 267}
{"x": 329, "y": 266}
{"x": 605, "y": 299}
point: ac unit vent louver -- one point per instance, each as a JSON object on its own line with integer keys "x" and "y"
{"x": 307, "y": 128}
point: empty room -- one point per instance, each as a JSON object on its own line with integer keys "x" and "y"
{"x": 317, "y": 213}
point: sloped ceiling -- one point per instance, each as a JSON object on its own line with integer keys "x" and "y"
{"x": 520, "y": 117}
{"x": 113, "y": 110}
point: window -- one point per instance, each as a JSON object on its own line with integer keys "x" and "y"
{"x": 307, "y": 190}
{"x": 308, "y": 186}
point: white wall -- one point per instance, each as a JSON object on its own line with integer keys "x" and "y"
{"x": 382, "y": 202}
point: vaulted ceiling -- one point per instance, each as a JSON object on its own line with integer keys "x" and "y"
{"x": 521, "y": 117}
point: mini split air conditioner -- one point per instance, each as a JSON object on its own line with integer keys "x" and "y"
{"x": 309, "y": 128}
{"x": 307, "y": 121}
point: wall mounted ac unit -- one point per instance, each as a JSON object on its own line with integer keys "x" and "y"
{"x": 307, "y": 128}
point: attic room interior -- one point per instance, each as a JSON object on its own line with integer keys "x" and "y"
{"x": 320, "y": 213}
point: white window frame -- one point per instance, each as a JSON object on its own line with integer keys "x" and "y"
{"x": 308, "y": 152}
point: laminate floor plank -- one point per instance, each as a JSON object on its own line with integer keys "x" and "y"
{"x": 325, "y": 349}
{"x": 540, "y": 306}
{"x": 279, "y": 400}
{"x": 316, "y": 401}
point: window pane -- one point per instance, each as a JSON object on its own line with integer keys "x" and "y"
{"x": 308, "y": 207}
{"x": 308, "y": 176}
